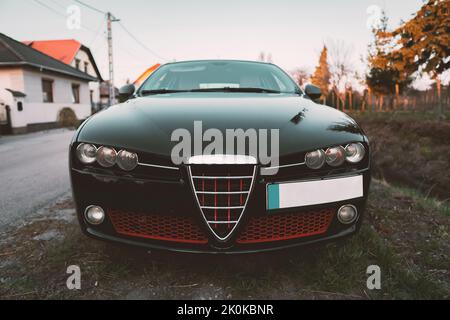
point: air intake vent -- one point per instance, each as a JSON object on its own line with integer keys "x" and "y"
{"x": 222, "y": 193}
{"x": 156, "y": 226}
{"x": 286, "y": 226}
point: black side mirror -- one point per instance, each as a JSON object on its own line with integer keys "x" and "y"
{"x": 126, "y": 92}
{"x": 313, "y": 92}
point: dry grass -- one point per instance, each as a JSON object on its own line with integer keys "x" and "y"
{"x": 409, "y": 241}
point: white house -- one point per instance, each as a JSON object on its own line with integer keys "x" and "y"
{"x": 73, "y": 53}
{"x": 35, "y": 87}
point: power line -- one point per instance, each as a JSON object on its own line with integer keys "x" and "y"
{"x": 58, "y": 4}
{"x": 130, "y": 34}
{"x": 50, "y": 8}
{"x": 125, "y": 29}
{"x": 141, "y": 43}
{"x": 100, "y": 30}
{"x": 110, "y": 18}
{"x": 90, "y": 7}
{"x": 59, "y": 13}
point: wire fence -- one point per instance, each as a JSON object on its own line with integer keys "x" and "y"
{"x": 410, "y": 100}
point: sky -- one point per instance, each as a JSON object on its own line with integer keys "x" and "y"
{"x": 292, "y": 31}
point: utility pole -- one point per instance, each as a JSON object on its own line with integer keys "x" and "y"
{"x": 110, "y": 19}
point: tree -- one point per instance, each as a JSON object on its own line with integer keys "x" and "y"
{"x": 384, "y": 76}
{"x": 263, "y": 57}
{"x": 380, "y": 78}
{"x": 341, "y": 70}
{"x": 423, "y": 41}
{"x": 421, "y": 44}
{"x": 321, "y": 76}
{"x": 301, "y": 76}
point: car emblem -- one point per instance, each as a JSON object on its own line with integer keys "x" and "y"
{"x": 222, "y": 185}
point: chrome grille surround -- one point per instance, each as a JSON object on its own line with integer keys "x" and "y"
{"x": 223, "y": 227}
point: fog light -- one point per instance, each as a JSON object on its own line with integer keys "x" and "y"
{"x": 347, "y": 214}
{"x": 94, "y": 215}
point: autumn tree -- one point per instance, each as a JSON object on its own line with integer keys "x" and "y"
{"x": 383, "y": 77}
{"x": 321, "y": 76}
{"x": 422, "y": 43}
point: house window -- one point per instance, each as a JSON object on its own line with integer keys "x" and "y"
{"x": 75, "y": 93}
{"x": 19, "y": 106}
{"x": 77, "y": 63}
{"x": 47, "y": 90}
{"x": 86, "y": 65}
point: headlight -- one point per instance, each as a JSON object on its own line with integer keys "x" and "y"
{"x": 355, "y": 152}
{"x": 335, "y": 156}
{"x": 127, "y": 160}
{"x": 86, "y": 153}
{"x": 315, "y": 159}
{"x": 106, "y": 157}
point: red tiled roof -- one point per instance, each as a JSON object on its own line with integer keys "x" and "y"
{"x": 62, "y": 50}
{"x": 15, "y": 53}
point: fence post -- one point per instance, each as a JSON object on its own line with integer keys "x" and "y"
{"x": 439, "y": 100}
{"x": 397, "y": 94}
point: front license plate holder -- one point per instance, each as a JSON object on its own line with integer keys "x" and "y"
{"x": 313, "y": 192}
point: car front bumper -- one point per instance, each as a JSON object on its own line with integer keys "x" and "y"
{"x": 211, "y": 250}
{"x": 175, "y": 199}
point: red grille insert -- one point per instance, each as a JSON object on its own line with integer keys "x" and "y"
{"x": 286, "y": 226}
{"x": 157, "y": 227}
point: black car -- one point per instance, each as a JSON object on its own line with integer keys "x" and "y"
{"x": 129, "y": 189}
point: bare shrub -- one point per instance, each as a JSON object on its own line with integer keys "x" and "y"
{"x": 68, "y": 118}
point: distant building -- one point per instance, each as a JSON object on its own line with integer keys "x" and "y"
{"x": 104, "y": 95}
{"x": 73, "y": 53}
{"x": 35, "y": 87}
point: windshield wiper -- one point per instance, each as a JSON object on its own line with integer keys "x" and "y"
{"x": 230, "y": 89}
{"x": 224, "y": 89}
{"x": 160, "y": 91}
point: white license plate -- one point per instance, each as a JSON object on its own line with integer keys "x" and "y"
{"x": 309, "y": 193}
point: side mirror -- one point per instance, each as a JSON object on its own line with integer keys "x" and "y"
{"x": 126, "y": 92}
{"x": 313, "y": 92}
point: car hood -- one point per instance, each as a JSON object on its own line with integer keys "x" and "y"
{"x": 146, "y": 124}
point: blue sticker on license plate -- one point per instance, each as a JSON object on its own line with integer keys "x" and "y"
{"x": 273, "y": 196}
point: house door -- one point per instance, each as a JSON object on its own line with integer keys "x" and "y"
{"x": 5, "y": 119}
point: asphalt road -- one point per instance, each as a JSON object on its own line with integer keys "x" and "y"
{"x": 33, "y": 172}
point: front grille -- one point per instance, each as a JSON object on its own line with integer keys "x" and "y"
{"x": 286, "y": 226}
{"x": 222, "y": 193}
{"x": 157, "y": 227}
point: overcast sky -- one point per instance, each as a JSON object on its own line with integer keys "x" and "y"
{"x": 292, "y": 31}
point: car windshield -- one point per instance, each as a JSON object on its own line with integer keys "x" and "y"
{"x": 226, "y": 76}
